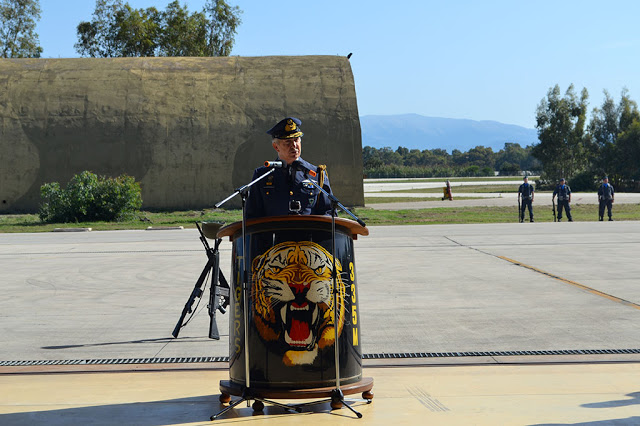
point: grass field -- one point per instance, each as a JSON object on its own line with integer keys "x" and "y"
{"x": 458, "y": 179}
{"x": 433, "y": 216}
{"x": 383, "y": 200}
{"x": 451, "y": 215}
{"x": 464, "y": 188}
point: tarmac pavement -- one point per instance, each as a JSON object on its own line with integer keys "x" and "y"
{"x": 118, "y": 294}
{"x": 473, "y": 297}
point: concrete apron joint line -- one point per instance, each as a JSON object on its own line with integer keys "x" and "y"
{"x": 556, "y": 277}
{"x": 366, "y": 356}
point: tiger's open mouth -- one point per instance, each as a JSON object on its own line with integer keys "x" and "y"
{"x": 298, "y": 319}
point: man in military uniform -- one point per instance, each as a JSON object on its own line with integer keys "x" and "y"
{"x": 526, "y": 192}
{"x": 605, "y": 196}
{"x": 564, "y": 198}
{"x": 285, "y": 191}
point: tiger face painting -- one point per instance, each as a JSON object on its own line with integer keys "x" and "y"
{"x": 293, "y": 299}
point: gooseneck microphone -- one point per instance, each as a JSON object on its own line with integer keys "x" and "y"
{"x": 274, "y": 164}
{"x": 299, "y": 166}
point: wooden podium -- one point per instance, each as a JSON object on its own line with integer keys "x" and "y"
{"x": 291, "y": 330}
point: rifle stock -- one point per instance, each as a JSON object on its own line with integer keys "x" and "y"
{"x": 219, "y": 290}
{"x": 195, "y": 293}
{"x": 553, "y": 203}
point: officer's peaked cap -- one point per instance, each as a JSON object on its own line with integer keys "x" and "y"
{"x": 286, "y": 128}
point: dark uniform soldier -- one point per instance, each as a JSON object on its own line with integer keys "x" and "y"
{"x": 285, "y": 191}
{"x": 564, "y": 198}
{"x": 526, "y": 191}
{"x": 605, "y": 196}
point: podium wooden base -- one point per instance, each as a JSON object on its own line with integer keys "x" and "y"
{"x": 228, "y": 388}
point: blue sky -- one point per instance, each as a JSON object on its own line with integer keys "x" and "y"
{"x": 490, "y": 60}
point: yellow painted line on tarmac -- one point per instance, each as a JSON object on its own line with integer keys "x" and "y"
{"x": 573, "y": 283}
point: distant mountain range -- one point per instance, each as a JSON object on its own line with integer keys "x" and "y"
{"x": 415, "y": 131}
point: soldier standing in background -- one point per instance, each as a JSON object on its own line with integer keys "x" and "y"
{"x": 605, "y": 197}
{"x": 564, "y": 198}
{"x": 526, "y": 192}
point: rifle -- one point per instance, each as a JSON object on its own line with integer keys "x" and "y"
{"x": 553, "y": 203}
{"x": 219, "y": 290}
{"x": 520, "y": 212}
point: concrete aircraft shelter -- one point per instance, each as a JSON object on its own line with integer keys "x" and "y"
{"x": 190, "y": 130}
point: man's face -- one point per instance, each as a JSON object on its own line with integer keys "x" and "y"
{"x": 288, "y": 150}
{"x": 605, "y": 180}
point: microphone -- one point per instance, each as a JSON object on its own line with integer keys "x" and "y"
{"x": 298, "y": 165}
{"x": 275, "y": 164}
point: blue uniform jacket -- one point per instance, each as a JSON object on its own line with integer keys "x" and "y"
{"x": 605, "y": 192}
{"x": 526, "y": 190}
{"x": 563, "y": 192}
{"x": 272, "y": 195}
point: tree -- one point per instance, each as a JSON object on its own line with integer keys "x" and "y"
{"x": 561, "y": 131}
{"x": 390, "y": 157}
{"x": 221, "y": 27}
{"x": 628, "y": 153}
{"x": 607, "y": 125}
{"x": 437, "y": 157}
{"x": 459, "y": 158}
{"x": 138, "y": 31}
{"x": 18, "y": 38}
{"x": 98, "y": 38}
{"x": 481, "y": 156}
{"x": 183, "y": 34}
{"x": 511, "y": 156}
{"x": 414, "y": 158}
{"x": 371, "y": 158}
{"x": 118, "y": 30}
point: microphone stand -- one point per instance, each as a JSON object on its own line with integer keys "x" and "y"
{"x": 337, "y": 396}
{"x": 247, "y": 394}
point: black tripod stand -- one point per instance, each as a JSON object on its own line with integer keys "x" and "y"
{"x": 247, "y": 394}
{"x": 218, "y": 290}
{"x": 337, "y": 396}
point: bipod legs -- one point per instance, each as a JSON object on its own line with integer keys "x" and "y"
{"x": 258, "y": 404}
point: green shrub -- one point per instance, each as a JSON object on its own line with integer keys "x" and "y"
{"x": 584, "y": 182}
{"x": 509, "y": 169}
{"x": 89, "y": 197}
